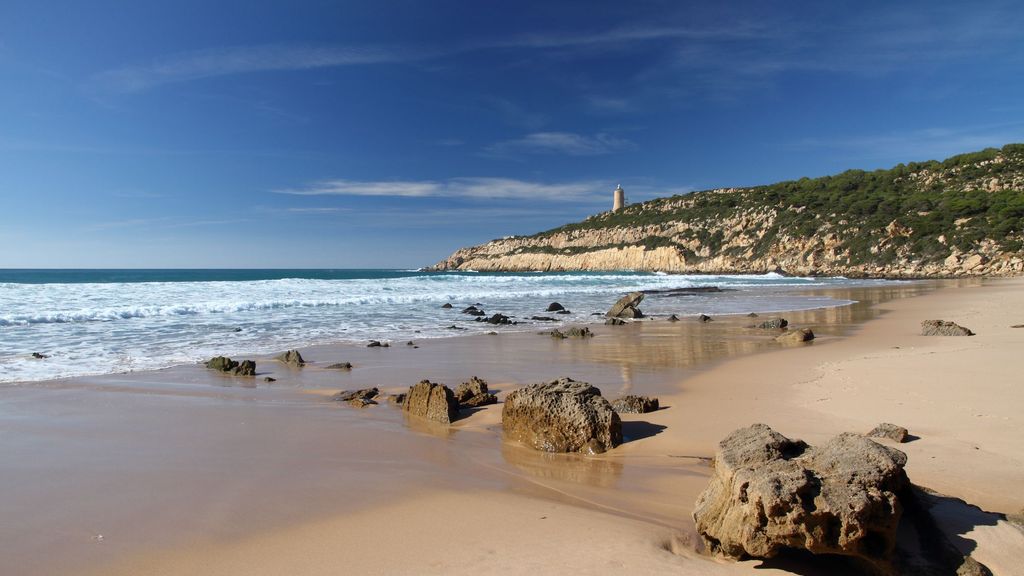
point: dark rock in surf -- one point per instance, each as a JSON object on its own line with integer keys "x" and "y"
{"x": 554, "y": 307}
{"x": 626, "y": 307}
{"x": 232, "y": 367}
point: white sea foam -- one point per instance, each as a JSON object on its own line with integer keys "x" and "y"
{"x": 103, "y": 328}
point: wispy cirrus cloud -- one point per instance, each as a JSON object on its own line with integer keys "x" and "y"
{"x": 469, "y": 188}
{"x": 194, "y": 65}
{"x": 231, "y": 60}
{"x": 563, "y": 143}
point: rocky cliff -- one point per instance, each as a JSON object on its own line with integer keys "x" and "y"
{"x": 960, "y": 217}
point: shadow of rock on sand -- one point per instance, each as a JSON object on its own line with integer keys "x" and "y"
{"x": 638, "y": 430}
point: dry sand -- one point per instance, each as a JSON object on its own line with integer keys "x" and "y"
{"x": 227, "y": 480}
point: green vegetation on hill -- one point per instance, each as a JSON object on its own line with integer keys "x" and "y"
{"x": 938, "y": 206}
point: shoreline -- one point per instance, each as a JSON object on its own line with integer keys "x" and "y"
{"x": 635, "y": 500}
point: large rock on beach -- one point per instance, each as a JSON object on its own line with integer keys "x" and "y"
{"x": 431, "y": 401}
{"x": 561, "y": 416}
{"x": 232, "y": 367}
{"x": 632, "y": 404}
{"x": 626, "y": 307}
{"x": 769, "y": 493}
{"x": 943, "y": 328}
{"x": 292, "y": 358}
{"x": 796, "y": 336}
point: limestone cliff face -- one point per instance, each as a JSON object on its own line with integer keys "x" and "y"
{"x": 927, "y": 220}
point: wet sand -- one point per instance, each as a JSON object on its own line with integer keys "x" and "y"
{"x": 182, "y": 471}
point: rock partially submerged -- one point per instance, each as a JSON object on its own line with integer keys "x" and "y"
{"x": 615, "y": 322}
{"x": 561, "y": 416}
{"x": 626, "y": 307}
{"x": 358, "y": 398}
{"x": 769, "y": 493}
{"x": 673, "y": 318}
{"x": 473, "y": 311}
{"x": 554, "y": 307}
{"x": 704, "y": 318}
{"x": 890, "y": 431}
{"x": 773, "y": 324}
{"x": 340, "y": 366}
{"x": 232, "y": 367}
{"x": 632, "y": 404}
{"x": 543, "y": 319}
{"x": 474, "y": 393}
{"x": 498, "y": 319}
{"x": 40, "y": 356}
{"x": 431, "y": 401}
{"x": 447, "y": 305}
{"x": 943, "y": 328}
{"x": 378, "y": 344}
{"x": 796, "y": 336}
{"x": 292, "y": 358}
{"x": 574, "y": 332}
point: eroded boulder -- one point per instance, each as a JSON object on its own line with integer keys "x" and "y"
{"x": 632, "y": 404}
{"x": 796, "y": 336}
{"x": 769, "y": 493}
{"x": 943, "y": 328}
{"x": 890, "y": 431}
{"x": 232, "y": 367}
{"x": 561, "y": 416}
{"x": 574, "y": 332}
{"x": 627, "y": 306}
{"x": 474, "y": 393}
{"x": 773, "y": 324}
{"x": 291, "y": 358}
{"x": 431, "y": 401}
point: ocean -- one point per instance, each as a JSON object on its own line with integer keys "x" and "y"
{"x": 92, "y": 322}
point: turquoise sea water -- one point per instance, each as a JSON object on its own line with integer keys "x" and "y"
{"x": 107, "y": 321}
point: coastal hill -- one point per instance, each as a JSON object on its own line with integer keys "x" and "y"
{"x": 963, "y": 216}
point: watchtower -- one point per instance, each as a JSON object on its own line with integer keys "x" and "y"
{"x": 618, "y": 198}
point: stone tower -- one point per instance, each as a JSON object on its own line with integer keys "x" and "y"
{"x": 618, "y": 199}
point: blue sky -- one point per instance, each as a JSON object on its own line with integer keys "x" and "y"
{"x": 387, "y": 134}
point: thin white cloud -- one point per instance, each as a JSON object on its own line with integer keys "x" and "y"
{"x": 214, "y": 62}
{"x": 224, "y": 61}
{"x": 471, "y": 188}
{"x": 565, "y": 143}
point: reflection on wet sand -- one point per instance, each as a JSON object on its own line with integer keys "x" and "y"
{"x": 572, "y": 468}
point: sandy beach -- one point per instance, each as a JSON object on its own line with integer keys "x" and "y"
{"x": 185, "y": 472}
